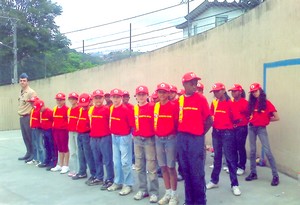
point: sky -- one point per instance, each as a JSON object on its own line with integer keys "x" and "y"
{"x": 79, "y": 14}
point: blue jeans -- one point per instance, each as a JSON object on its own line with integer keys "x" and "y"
{"x": 122, "y": 158}
{"x": 241, "y": 137}
{"x": 102, "y": 152}
{"x": 262, "y": 133}
{"x": 224, "y": 140}
{"x": 191, "y": 158}
{"x": 85, "y": 154}
{"x": 38, "y": 145}
{"x": 50, "y": 158}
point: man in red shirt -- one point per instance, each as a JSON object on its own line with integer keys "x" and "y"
{"x": 85, "y": 154}
{"x": 194, "y": 121}
{"x": 144, "y": 146}
{"x": 73, "y": 114}
{"x": 60, "y": 133}
{"x": 46, "y": 120}
{"x": 121, "y": 123}
{"x": 165, "y": 127}
{"x": 100, "y": 141}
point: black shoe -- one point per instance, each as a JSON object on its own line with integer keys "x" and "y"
{"x": 49, "y": 168}
{"x": 79, "y": 176}
{"x": 106, "y": 185}
{"x": 94, "y": 182}
{"x": 42, "y": 165}
{"x": 275, "y": 181}
{"x": 251, "y": 177}
{"x": 24, "y": 158}
{"x": 90, "y": 180}
{"x": 28, "y": 159}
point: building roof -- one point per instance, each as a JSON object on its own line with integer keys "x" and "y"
{"x": 214, "y": 3}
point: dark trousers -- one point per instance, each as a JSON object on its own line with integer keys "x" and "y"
{"x": 85, "y": 154}
{"x": 224, "y": 140}
{"x": 51, "y": 157}
{"x": 241, "y": 137}
{"x": 26, "y": 134}
{"x": 191, "y": 158}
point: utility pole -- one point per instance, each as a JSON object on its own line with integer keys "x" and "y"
{"x": 188, "y": 17}
{"x": 15, "y": 50}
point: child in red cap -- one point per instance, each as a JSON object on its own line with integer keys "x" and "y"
{"x": 144, "y": 146}
{"x": 60, "y": 133}
{"x": 121, "y": 123}
{"x": 194, "y": 121}
{"x": 73, "y": 114}
{"x": 100, "y": 141}
{"x": 262, "y": 112}
{"x": 165, "y": 126}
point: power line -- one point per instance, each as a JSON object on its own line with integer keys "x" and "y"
{"x": 125, "y": 19}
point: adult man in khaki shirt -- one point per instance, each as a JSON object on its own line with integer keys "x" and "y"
{"x": 24, "y": 110}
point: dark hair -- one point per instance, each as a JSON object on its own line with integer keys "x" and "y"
{"x": 243, "y": 94}
{"x": 227, "y": 96}
{"x": 262, "y": 102}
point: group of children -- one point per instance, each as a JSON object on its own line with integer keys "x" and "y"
{"x": 102, "y": 131}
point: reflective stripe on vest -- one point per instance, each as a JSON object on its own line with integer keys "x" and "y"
{"x": 110, "y": 113}
{"x": 156, "y": 113}
{"x": 181, "y": 102}
{"x": 136, "y": 117}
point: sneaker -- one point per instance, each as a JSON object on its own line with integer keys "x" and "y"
{"x": 153, "y": 198}
{"x": 90, "y": 180}
{"x": 174, "y": 200}
{"x": 31, "y": 162}
{"x": 140, "y": 195}
{"x": 114, "y": 187}
{"x": 275, "y": 181}
{"x": 211, "y": 185}
{"x": 41, "y": 165}
{"x": 165, "y": 200}
{"x": 251, "y": 177}
{"x": 72, "y": 174}
{"x": 179, "y": 178}
{"x": 38, "y": 163}
{"x": 95, "y": 182}
{"x": 125, "y": 190}
{"x": 105, "y": 185}
{"x": 211, "y": 166}
{"x": 64, "y": 169}
{"x": 79, "y": 176}
{"x": 240, "y": 171}
{"x": 236, "y": 191}
{"x": 56, "y": 168}
{"x": 226, "y": 169}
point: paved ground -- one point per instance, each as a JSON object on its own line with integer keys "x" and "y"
{"x": 26, "y": 184}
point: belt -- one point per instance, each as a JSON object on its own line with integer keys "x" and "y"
{"x": 24, "y": 115}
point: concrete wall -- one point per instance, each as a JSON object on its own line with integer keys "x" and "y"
{"x": 232, "y": 53}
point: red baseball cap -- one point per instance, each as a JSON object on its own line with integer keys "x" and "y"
{"x": 173, "y": 88}
{"x": 190, "y": 76}
{"x": 60, "y": 96}
{"x": 141, "y": 89}
{"x": 33, "y": 99}
{"x": 217, "y": 87}
{"x": 73, "y": 95}
{"x": 38, "y": 104}
{"x": 125, "y": 92}
{"x": 98, "y": 92}
{"x": 154, "y": 95}
{"x": 84, "y": 100}
{"x": 200, "y": 86}
{"x": 163, "y": 86}
{"x": 236, "y": 87}
{"x": 254, "y": 87}
{"x": 116, "y": 91}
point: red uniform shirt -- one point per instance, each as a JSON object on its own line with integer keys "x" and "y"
{"x": 129, "y": 106}
{"x": 83, "y": 124}
{"x": 100, "y": 121}
{"x": 60, "y": 117}
{"x": 262, "y": 118}
{"x": 195, "y": 111}
{"x": 224, "y": 114}
{"x": 35, "y": 119}
{"x": 73, "y": 114}
{"x": 46, "y": 119}
{"x": 167, "y": 119}
{"x": 242, "y": 107}
{"x": 144, "y": 126}
{"x": 121, "y": 120}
